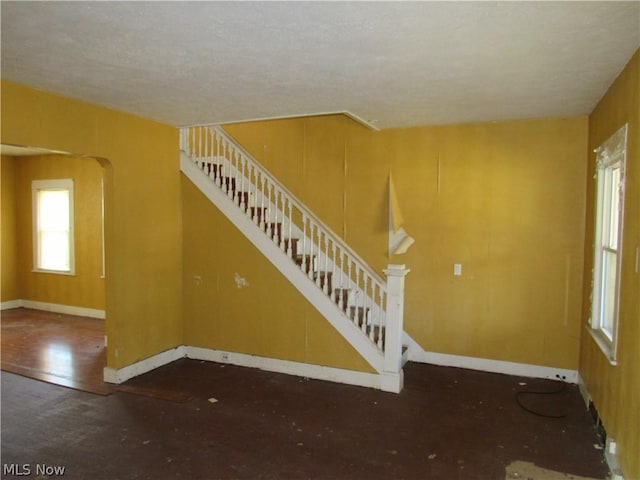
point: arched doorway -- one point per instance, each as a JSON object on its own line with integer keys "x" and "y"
{"x": 53, "y": 322}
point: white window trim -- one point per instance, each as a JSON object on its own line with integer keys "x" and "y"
{"x": 611, "y": 152}
{"x": 55, "y": 184}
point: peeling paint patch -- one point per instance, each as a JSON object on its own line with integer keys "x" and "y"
{"x": 241, "y": 282}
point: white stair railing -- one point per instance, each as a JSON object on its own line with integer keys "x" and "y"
{"x": 356, "y": 289}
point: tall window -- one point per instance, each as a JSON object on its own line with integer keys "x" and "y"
{"x": 611, "y": 156}
{"x": 53, "y": 226}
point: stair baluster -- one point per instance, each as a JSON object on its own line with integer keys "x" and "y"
{"x": 269, "y": 230}
{"x": 221, "y": 164}
{"x": 325, "y": 286}
{"x": 243, "y": 200}
{"x": 318, "y": 259}
{"x": 254, "y": 200}
{"x": 334, "y": 277}
{"x": 351, "y": 316}
{"x": 290, "y": 246}
{"x": 312, "y": 229}
{"x": 380, "y": 317}
{"x": 341, "y": 300}
{"x": 304, "y": 242}
{"x": 263, "y": 181}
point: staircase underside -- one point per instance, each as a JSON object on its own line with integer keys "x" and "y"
{"x": 307, "y": 285}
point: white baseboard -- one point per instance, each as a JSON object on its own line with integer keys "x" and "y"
{"x": 8, "y": 305}
{"x": 495, "y": 366}
{"x": 386, "y": 382}
{"x": 113, "y": 375}
{"x": 307, "y": 370}
{"x": 55, "y": 307}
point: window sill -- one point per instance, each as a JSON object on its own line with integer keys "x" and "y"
{"x": 604, "y": 344}
{"x": 54, "y": 272}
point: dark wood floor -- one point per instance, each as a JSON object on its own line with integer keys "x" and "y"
{"x": 226, "y": 422}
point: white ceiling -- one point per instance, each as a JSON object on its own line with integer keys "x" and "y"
{"x": 396, "y": 64}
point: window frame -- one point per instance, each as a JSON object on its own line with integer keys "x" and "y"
{"x": 61, "y": 184}
{"x": 610, "y": 156}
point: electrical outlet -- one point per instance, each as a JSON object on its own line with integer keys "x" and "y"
{"x": 457, "y": 269}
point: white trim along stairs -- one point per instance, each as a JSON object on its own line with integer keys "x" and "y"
{"x": 364, "y": 308}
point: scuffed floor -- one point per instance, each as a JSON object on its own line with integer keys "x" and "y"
{"x": 210, "y": 421}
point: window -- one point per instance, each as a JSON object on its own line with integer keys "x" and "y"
{"x": 610, "y": 165}
{"x": 53, "y": 226}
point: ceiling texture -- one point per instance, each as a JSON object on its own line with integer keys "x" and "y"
{"x": 390, "y": 64}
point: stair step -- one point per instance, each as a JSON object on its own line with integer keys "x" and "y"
{"x": 257, "y": 211}
{"x": 294, "y": 246}
{"x": 244, "y": 198}
{"x": 229, "y": 183}
{"x": 276, "y": 229}
{"x": 209, "y": 167}
{"x": 308, "y": 259}
{"x": 324, "y": 277}
{"x": 345, "y": 297}
{"x": 359, "y": 313}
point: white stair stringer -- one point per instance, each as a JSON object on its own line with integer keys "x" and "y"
{"x": 307, "y": 287}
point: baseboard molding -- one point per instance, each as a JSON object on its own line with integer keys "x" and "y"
{"x": 8, "y": 305}
{"x": 306, "y": 370}
{"x": 55, "y": 307}
{"x": 495, "y": 366}
{"x": 386, "y": 382}
{"x": 121, "y": 375}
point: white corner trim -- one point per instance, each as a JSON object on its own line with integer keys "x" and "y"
{"x": 496, "y": 366}
{"x": 299, "y": 369}
{"x": 392, "y": 382}
{"x": 582, "y": 387}
{"x": 113, "y": 375}
{"x": 55, "y": 307}
{"x": 610, "y": 454}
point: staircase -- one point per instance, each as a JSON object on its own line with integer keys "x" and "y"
{"x": 365, "y": 309}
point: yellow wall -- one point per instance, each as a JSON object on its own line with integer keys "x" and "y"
{"x": 143, "y": 241}
{"x": 616, "y": 389}
{"x": 504, "y": 199}
{"x": 8, "y": 245}
{"x": 86, "y": 287}
{"x": 268, "y": 317}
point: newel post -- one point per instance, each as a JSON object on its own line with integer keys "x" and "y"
{"x": 392, "y": 377}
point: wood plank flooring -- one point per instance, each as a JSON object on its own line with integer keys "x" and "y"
{"x": 447, "y": 424}
{"x": 202, "y": 420}
{"x": 62, "y": 349}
